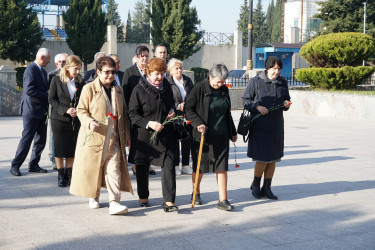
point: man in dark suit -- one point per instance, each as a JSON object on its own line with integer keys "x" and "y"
{"x": 60, "y": 61}
{"x": 34, "y": 106}
{"x": 90, "y": 75}
{"x": 135, "y": 72}
{"x": 119, "y": 74}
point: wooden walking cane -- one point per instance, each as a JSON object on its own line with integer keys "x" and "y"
{"x": 197, "y": 170}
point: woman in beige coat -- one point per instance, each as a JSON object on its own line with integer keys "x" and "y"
{"x": 100, "y": 159}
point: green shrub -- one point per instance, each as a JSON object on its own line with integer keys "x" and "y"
{"x": 338, "y": 50}
{"x": 199, "y": 73}
{"x": 19, "y": 76}
{"x": 334, "y": 78}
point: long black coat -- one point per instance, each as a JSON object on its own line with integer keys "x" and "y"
{"x": 197, "y": 108}
{"x": 266, "y": 139}
{"x": 148, "y": 103}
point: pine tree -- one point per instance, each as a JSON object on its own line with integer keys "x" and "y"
{"x": 140, "y": 23}
{"x": 174, "y": 24}
{"x": 269, "y": 17}
{"x": 113, "y": 18}
{"x": 346, "y": 16}
{"x": 276, "y": 22}
{"x": 20, "y": 33}
{"x": 129, "y": 29}
{"x": 259, "y": 27}
{"x": 86, "y": 28}
{"x": 243, "y": 22}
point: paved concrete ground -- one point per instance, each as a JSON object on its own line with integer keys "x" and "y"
{"x": 325, "y": 184}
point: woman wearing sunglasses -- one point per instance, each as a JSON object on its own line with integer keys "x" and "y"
{"x": 100, "y": 153}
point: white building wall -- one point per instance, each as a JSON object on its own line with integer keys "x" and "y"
{"x": 292, "y": 17}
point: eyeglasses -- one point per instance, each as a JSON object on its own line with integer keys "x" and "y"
{"x": 107, "y": 72}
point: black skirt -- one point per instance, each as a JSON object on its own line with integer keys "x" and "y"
{"x": 215, "y": 154}
{"x": 64, "y": 137}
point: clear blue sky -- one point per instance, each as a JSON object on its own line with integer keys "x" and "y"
{"x": 215, "y": 15}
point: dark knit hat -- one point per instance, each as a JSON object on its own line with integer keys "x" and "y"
{"x": 270, "y": 62}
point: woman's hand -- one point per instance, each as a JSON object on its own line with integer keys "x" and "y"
{"x": 127, "y": 143}
{"x": 234, "y": 138}
{"x": 156, "y": 126}
{"x": 171, "y": 114}
{"x": 262, "y": 110}
{"x": 182, "y": 105}
{"x": 202, "y": 128}
{"x": 94, "y": 126}
{"x": 72, "y": 112}
{"x": 287, "y": 103}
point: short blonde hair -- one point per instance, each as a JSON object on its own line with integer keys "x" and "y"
{"x": 173, "y": 62}
{"x": 71, "y": 61}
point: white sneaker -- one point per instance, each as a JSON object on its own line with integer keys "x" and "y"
{"x": 186, "y": 170}
{"x": 94, "y": 203}
{"x": 117, "y": 208}
{"x": 178, "y": 170}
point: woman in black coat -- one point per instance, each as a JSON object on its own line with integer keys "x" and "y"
{"x": 63, "y": 96}
{"x": 151, "y": 103}
{"x": 266, "y": 138}
{"x": 181, "y": 86}
{"x": 208, "y": 108}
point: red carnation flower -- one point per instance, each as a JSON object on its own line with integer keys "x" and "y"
{"x": 237, "y": 165}
{"x": 114, "y": 117}
{"x": 110, "y": 114}
{"x": 188, "y": 122}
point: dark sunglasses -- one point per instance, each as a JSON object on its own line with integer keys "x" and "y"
{"x": 107, "y": 72}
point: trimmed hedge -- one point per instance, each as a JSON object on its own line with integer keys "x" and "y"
{"x": 338, "y": 50}
{"x": 334, "y": 78}
{"x": 199, "y": 73}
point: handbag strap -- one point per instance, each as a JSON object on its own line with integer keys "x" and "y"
{"x": 245, "y": 112}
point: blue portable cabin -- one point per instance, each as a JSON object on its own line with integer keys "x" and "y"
{"x": 284, "y": 51}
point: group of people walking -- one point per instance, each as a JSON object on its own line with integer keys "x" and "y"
{"x": 93, "y": 123}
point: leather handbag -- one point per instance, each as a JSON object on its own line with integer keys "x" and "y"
{"x": 243, "y": 127}
{"x": 181, "y": 129}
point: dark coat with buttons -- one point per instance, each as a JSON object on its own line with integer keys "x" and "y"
{"x": 197, "y": 108}
{"x": 59, "y": 98}
{"x": 147, "y": 103}
{"x": 266, "y": 138}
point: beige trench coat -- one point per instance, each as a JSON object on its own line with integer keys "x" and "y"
{"x": 87, "y": 173}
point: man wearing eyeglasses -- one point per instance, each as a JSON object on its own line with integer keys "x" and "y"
{"x": 119, "y": 74}
{"x": 60, "y": 61}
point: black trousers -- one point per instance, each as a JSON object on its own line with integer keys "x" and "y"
{"x": 168, "y": 180}
{"x": 185, "y": 151}
{"x": 33, "y": 130}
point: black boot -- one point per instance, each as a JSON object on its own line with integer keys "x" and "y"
{"x": 266, "y": 189}
{"x": 68, "y": 175}
{"x": 61, "y": 178}
{"x": 255, "y": 186}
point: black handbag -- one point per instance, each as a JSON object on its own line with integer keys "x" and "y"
{"x": 243, "y": 127}
{"x": 181, "y": 129}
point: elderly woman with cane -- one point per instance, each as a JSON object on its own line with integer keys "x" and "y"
{"x": 100, "y": 153}
{"x": 208, "y": 108}
{"x": 267, "y": 95}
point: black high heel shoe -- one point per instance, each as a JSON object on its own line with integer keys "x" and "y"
{"x": 169, "y": 208}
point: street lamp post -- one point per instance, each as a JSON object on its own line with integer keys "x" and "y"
{"x": 364, "y": 23}
{"x": 250, "y": 38}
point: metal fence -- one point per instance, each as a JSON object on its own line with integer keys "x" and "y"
{"x": 242, "y": 81}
